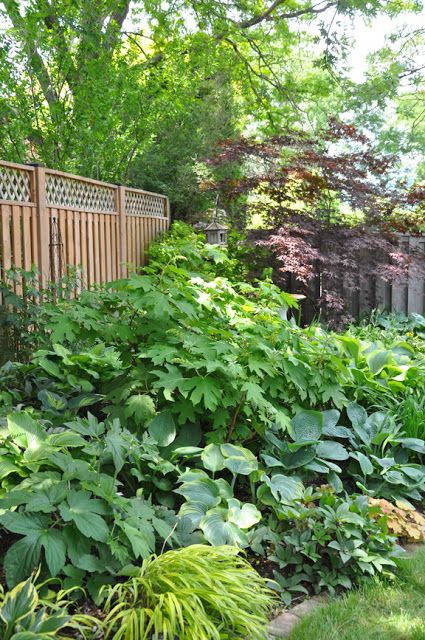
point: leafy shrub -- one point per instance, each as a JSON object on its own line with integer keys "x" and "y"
{"x": 327, "y": 542}
{"x": 199, "y": 592}
{"x": 68, "y": 493}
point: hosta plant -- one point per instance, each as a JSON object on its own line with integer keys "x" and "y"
{"x": 199, "y": 592}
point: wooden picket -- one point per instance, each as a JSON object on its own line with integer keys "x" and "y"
{"x": 57, "y": 221}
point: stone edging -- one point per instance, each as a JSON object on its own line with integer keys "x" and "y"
{"x": 282, "y": 626}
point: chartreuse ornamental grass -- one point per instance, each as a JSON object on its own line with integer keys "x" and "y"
{"x": 199, "y": 592}
{"x": 378, "y": 611}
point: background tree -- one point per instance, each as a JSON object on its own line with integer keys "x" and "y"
{"x": 328, "y": 206}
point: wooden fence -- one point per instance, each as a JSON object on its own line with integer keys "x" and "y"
{"x": 403, "y": 297}
{"x": 56, "y": 220}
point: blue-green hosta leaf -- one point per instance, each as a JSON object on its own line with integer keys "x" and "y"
{"x": 364, "y": 462}
{"x": 218, "y": 531}
{"x": 243, "y": 515}
{"x": 307, "y": 425}
{"x": 378, "y": 359}
{"x": 212, "y": 458}
{"x": 163, "y": 429}
{"x": 284, "y": 488}
{"x": 330, "y": 419}
{"x": 85, "y": 513}
{"x": 414, "y": 444}
{"x": 270, "y": 461}
{"x": 357, "y": 414}
{"x": 297, "y": 459}
{"x": 204, "y": 491}
{"x": 335, "y": 481}
{"x": 194, "y": 511}
{"x": 330, "y": 450}
{"x": 241, "y": 466}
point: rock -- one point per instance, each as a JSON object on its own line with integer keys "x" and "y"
{"x": 283, "y": 624}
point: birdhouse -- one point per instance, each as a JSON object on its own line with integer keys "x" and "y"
{"x": 216, "y": 233}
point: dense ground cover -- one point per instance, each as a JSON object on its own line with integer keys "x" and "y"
{"x": 180, "y": 407}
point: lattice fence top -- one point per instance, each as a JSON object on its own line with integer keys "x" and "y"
{"x": 69, "y": 192}
{"x": 144, "y": 204}
{"x": 15, "y": 184}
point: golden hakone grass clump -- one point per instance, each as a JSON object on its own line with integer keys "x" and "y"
{"x": 202, "y": 592}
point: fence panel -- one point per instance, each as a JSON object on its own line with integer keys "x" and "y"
{"x": 56, "y": 221}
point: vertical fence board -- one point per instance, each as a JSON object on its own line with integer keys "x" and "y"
{"x": 6, "y": 253}
{"x": 26, "y": 233}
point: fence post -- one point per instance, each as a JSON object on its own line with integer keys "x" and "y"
{"x": 122, "y": 231}
{"x": 168, "y": 211}
{"x": 43, "y": 224}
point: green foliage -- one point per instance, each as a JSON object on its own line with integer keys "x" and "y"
{"x": 200, "y": 592}
{"x": 373, "y": 453}
{"x": 179, "y": 407}
{"x": 25, "y": 616}
{"x": 329, "y": 542}
{"x": 72, "y": 495}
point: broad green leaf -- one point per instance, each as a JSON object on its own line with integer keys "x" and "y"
{"x": 24, "y": 523}
{"x": 52, "y": 401}
{"x": 357, "y": 414}
{"x": 364, "y": 462}
{"x": 21, "y": 559}
{"x": 377, "y": 360}
{"x": 25, "y": 430}
{"x": 116, "y": 445}
{"x": 284, "y": 488}
{"x": 7, "y": 466}
{"x": 206, "y": 390}
{"x": 307, "y": 425}
{"x": 330, "y": 450}
{"x": 84, "y": 512}
{"x": 140, "y": 407}
{"x": 241, "y": 466}
{"x": 218, "y": 531}
{"x": 163, "y": 429}
{"x": 243, "y": 515}
{"x": 212, "y": 458}
{"x": 203, "y": 491}
{"x": 54, "y": 550}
